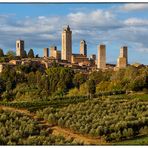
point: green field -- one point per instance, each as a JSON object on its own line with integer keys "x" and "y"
{"x": 57, "y": 102}
{"x": 135, "y": 141}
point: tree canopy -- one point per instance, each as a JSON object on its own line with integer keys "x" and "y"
{"x": 31, "y": 53}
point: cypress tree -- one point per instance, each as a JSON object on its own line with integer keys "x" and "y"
{"x": 1, "y": 52}
{"x": 91, "y": 87}
{"x": 31, "y": 53}
{"x": 24, "y": 54}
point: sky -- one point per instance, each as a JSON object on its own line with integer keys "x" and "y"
{"x": 112, "y": 24}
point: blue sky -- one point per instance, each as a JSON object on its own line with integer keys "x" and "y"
{"x": 114, "y": 24}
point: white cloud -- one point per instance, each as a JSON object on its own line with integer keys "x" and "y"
{"x": 136, "y": 22}
{"x": 140, "y": 47}
{"x": 97, "y": 18}
{"x": 43, "y": 30}
{"x": 134, "y": 7}
{"x": 38, "y": 31}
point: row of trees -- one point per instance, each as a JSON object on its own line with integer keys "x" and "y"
{"x": 30, "y": 54}
{"x": 19, "y": 129}
{"x": 128, "y": 79}
{"x": 11, "y": 55}
{"x": 114, "y": 119}
{"x": 36, "y": 82}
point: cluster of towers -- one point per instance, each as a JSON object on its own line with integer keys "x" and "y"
{"x": 67, "y": 55}
{"x": 122, "y": 61}
{"x": 53, "y": 52}
{"x": 66, "y": 47}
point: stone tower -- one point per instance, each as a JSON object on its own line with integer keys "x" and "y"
{"x": 101, "y": 56}
{"x": 46, "y": 52}
{"x": 67, "y": 44}
{"x": 83, "y": 48}
{"x": 19, "y": 48}
{"x": 53, "y": 50}
{"x": 123, "y": 52}
{"x": 55, "y": 53}
{"x": 122, "y": 61}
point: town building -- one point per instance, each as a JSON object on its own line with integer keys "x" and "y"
{"x": 15, "y": 62}
{"x": 93, "y": 60}
{"x": 93, "y": 57}
{"x": 78, "y": 58}
{"x": 138, "y": 65}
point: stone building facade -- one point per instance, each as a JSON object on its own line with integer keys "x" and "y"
{"x": 78, "y": 58}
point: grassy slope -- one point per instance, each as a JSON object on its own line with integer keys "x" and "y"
{"x": 135, "y": 141}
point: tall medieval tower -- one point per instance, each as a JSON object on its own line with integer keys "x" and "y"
{"x": 83, "y": 48}
{"x": 19, "y": 48}
{"x": 67, "y": 44}
{"x": 122, "y": 61}
{"x": 46, "y": 52}
{"x": 101, "y": 56}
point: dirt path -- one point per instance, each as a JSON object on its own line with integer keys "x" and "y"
{"x": 68, "y": 134}
{"x": 78, "y": 137}
{"x": 23, "y": 111}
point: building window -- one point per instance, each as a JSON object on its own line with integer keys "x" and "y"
{"x": 17, "y": 45}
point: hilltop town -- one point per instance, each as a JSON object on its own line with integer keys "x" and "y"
{"x": 64, "y": 98}
{"x": 66, "y": 58}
